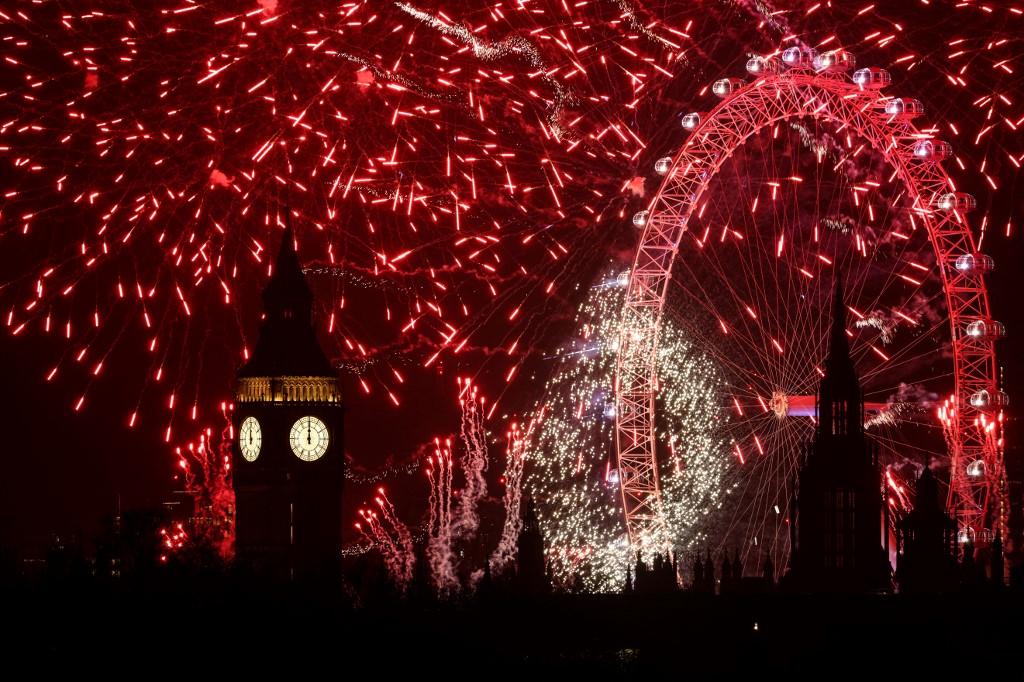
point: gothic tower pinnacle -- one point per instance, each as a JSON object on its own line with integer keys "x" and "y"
{"x": 840, "y": 406}
{"x": 289, "y": 459}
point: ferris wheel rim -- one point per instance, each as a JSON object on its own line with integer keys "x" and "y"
{"x": 750, "y": 107}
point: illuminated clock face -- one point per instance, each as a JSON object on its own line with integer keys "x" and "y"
{"x": 309, "y": 439}
{"x": 250, "y": 438}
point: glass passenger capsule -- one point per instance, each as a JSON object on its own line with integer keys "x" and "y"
{"x": 798, "y": 57}
{"x": 904, "y": 107}
{"x": 690, "y": 121}
{"x": 974, "y": 263}
{"x": 640, "y": 218}
{"x": 956, "y": 201}
{"x": 989, "y": 400}
{"x": 932, "y": 150}
{"x": 663, "y": 165}
{"x": 727, "y": 86}
{"x": 757, "y": 65}
{"x": 872, "y": 78}
{"x": 836, "y": 61}
{"x": 986, "y": 330}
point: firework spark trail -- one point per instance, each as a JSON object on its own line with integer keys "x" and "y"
{"x": 488, "y": 52}
{"x": 383, "y": 541}
{"x": 206, "y": 468}
{"x": 394, "y": 556}
{"x": 300, "y": 126}
{"x": 474, "y": 461}
{"x": 886, "y": 325}
{"x": 900, "y": 499}
{"x": 391, "y": 538}
{"x": 482, "y": 50}
{"x": 439, "y": 541}
{"x": 403, "y": 543}
{"x": 433, "y": 502}
{"x": 515, "y": 464}
{"x": 946, "y": 416}
{"x": 149, "y": 148}
{"x": 169, "y": 135}
{"x": 174, "y": 539}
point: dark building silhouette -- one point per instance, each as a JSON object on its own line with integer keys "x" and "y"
{"x": 486, "y": 588}
{"x": 926, "y": 542}
{"x": 980, "y": 570}
{"x": 997, "y": 564}
{"x": 837, "y": 516}
{"x": 710, "y": 582}
{"x": 288, "y": 456}
{"x": 732, "y": 574}
{"x": 531, "y": 570}
{"x": 971, "y": 575}
{"x": 66, "y": 560}
{"x": 130, "y": 545}
{"x": 734, "y": 582}
{"x": 698, "y": 575}
{"x": 659, "y": 576}
{"x": 703, "y": 574}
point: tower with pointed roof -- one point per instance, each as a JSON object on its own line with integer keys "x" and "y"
{"x": 288, "y": 459}
{"x": 926, "y": 542}
{"x": 531, "y": 568}
{"x": 839, "y": 520}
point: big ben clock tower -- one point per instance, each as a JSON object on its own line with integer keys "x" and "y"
{"x": 288, "y": 459}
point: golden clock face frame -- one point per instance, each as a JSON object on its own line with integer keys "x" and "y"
{"x": 309, "y": 438}
{"x": 250, "y": 439}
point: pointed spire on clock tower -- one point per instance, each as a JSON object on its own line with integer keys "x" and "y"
{"x": 837, "y": 522}
{"x": 289, "y": 462}
{"x": 287, "y": 344}
{"x": 840, "y": 406}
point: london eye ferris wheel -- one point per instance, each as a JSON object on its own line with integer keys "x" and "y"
{"x": 809, "y": 170}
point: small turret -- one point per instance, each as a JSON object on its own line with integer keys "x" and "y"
{"x": 531, "y": 573}
{"x": 709, "y": 573}
{"x": 997, "y": 564}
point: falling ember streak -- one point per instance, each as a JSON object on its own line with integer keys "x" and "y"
{"x": 440, "y": 538}
{"x": 515, "y": 462}
{"x": 458, "y": 165}
{"x": 393, "y": 538}
{"x": 474, "y": 460}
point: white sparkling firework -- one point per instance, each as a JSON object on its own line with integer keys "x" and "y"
{"x": 515, "y": 463}
{"x": 439, "y": 543}
{"x": 474, "y": 461}
{"x": 386, "y": 532}
{"x": 492, "y": 51}
{"x": 572, "y": 473}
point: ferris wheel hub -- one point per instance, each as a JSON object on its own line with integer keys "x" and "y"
{"x": 779, "y": 404}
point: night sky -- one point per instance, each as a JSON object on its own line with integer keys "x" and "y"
{"x": 142, "y": 112}
{"x": 64, "y": 471}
